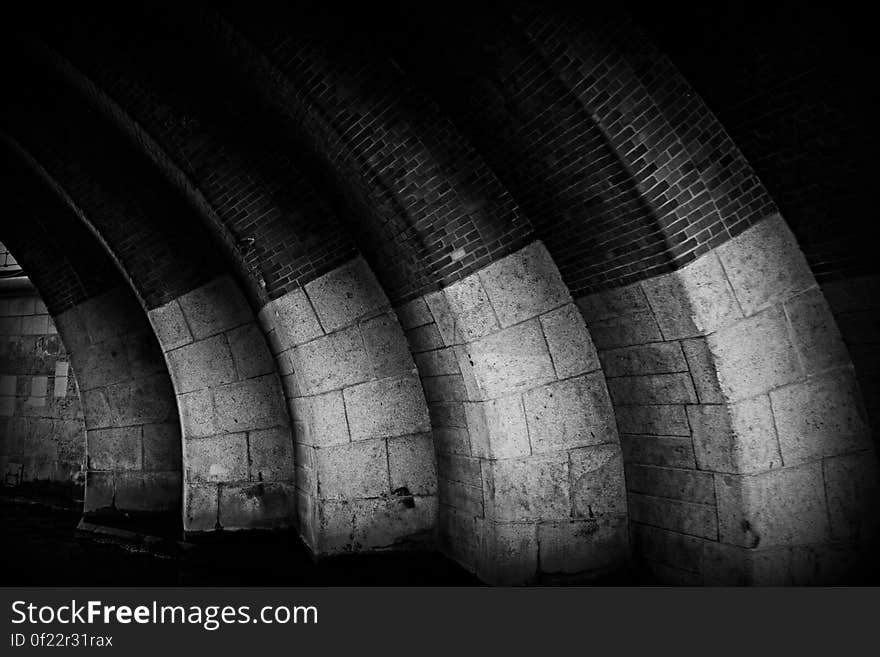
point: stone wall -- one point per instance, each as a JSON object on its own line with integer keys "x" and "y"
{"x": 365, "y": 464}
{"x": 529, "y": 467}
{"x": 748, "y": 456}
{"x": 42, "y": 432}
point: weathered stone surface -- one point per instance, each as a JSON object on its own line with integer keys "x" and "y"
{"x": 637, "y": 328}
{"x": 411, "y": 464}
{"x": 702, "y": 369}
{"x": 162, "y": 448}
{"x": 597, "y": 483}
{"x": 467, "y": 499}
{"x": 197, "y": 413}
{"x": 463, "y": 469}
{"x": 249, "y": 351}
{"x": 320, "y": 420}
{"x": 498, "y": 428}
{"x": 271, "y": 454}
{"x": 257, "y": 505}
{"x": 524, "y": 285}
{"x": 149, "y": 399}
{"x": 660, "y": 420}
{"x": 293, "y": 319}
{"x": 200, "y": 507}
{"x": 216, "y": 458}
{"x": 668, "y": 451}
{"x": 764, "y": 264}
{"x": 652, "y": 358}
{"x": 613, "y": 303}
{"x": 509, "y": 553}
{"x": 533, "y": 488}
{"x": 740, "y": 438}
{"x": 414, "y": 313}
{"x": 580, "y": 546}
{"x": 471, "y": 310}
{"x": 335, "y": 531}
{"x": 781, "y": 507}
{"x": 438, "y": 362}
{"x": 754, "y": 355}
{"x": 684, "y": 517}
{"x": 102, "y": 364}
{"x": 670, "y": 548}
{"x": 331, "y": 362}
{"x": 513, "y": 359}
{"x": 99, "y": 491}
{"x": 424, "y": 338}
{"x": 445, "y": 320}
{"x": 452, "y": 440}
{"x": 388, "y": 407}
{"x": 815, "y": 333}
{"x": 114, "y": 449}
{"x": 252, "y": 404}
{"x": 110, "y": 314}
{"x": 346, "y": 294}
{"x": 386, "y": 346}
{"x": 673, "y": 483}
{"x": 202, "y": 364}
{"x": 387, "y": 522}
{"x": 571, "y": 413}
{"x": 215, "y": 307}
{"x": 852, "y": 484}
{"x": 148, "y": 491}
{"x": 359, "y": 469}
{"x": 653, "y": 389}
{"x": 448, "y": 388}
{"x": 819, "y": 417}
{"x": 569, "y": 341}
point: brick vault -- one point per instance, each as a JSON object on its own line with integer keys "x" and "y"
{"x": 509, "y": 287}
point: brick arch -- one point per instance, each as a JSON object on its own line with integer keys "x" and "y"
{"x": 121, "y": 392}
{"x": 236, "y": 437}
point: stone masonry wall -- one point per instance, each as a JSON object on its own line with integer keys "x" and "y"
{"x": 132, "y": 428}
{"x": 364, "y": 458}
{"x": 237, "y": 450}
{"x": 42, "y": 432}
{"x": 529, "y": 467}
{"x": 748, "y": 459}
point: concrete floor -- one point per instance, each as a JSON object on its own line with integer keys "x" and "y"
{"x": 42, "y": 547}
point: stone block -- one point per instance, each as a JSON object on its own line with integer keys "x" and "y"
{"x": 651, "y": 358}
{"x": 444, "y": 319}
{"x": 148, "y": 491}
{"x": 452, "y": 440}
{"x": 685, "y": 517}
{"x": 438, "y": 362}
{"x": 144, "y": 354}
{"x": 424, "y": 338}
{"x": 637, "y": 328}
{"x": 321, "y": 419}
{"x": 581, "y": 546}
{"x": 249, "y": 351}
{"x": 597, "y": 482}
{"x": 331, "y": 362}
{"x": 571, "y": 413}
{"x": 114, "y": 449}
{"x": 702, "y": 368}
{"x": 820, "y": 417}
{"x": 666, "y": 547}
{"x": 359, "y": 469}
{"x": 463, "y": 469}
{"x": 139, "y": 401}
{"x": 509, "y": 554}
{"x": 95, "y": 407}
{"x": 513, "y": 359}
{"x": 271, "y": 454}
{"x": 110, "y": 315}
{"x": 414, "y": 313}
{"x": 852, "y": 484}
{"x": 169, "y": 326}
{"x": 388, "y": 407}
{"x": 7, "y": 385}
{"x": 203, "y": 364}
{"x": 653, "y": 389}
{"x": 498, "y": 428}
{"x": 658, "y": 420}
{"x": 335, "y": 532}
{"x": 444, "y": 388}
{"x": 257, "y": 505}
{"x": 411, "y": 464}
{"x": 673, "y": 483}
{"x": 814, "y": 332}
{"x": 346, "y": 294}
{"x": 252, "y": 404}
{"x": 447, "y": 414}
{"x": 162, "y": 449}
{"x": 35, "y": 325}
{"x": 613, "y": 303}
{"x": 471, "y": 310}
{"x": 386, "y": 346}
{"x": 383, "y": 523}
{"x": 764, "y": 264}
{"x": 668, "y": 451}
{"x": 754, "y": 355}
{"x": 220, "y": 458}
{"x": 524, "y": 284}
{"x": 197, "y": 413}
{"x": 101, "y": 365}
{"x": 215, "y": 307}
{"x": 530, "y": 488}
{"x": 740, "y": 438}
{"x": 781, "y": 507}
{"x": 464, "y": 498}
{"x": 571, "y": 346}
{"x": 293, "y": 319}
{"x": 200, "y": 507}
